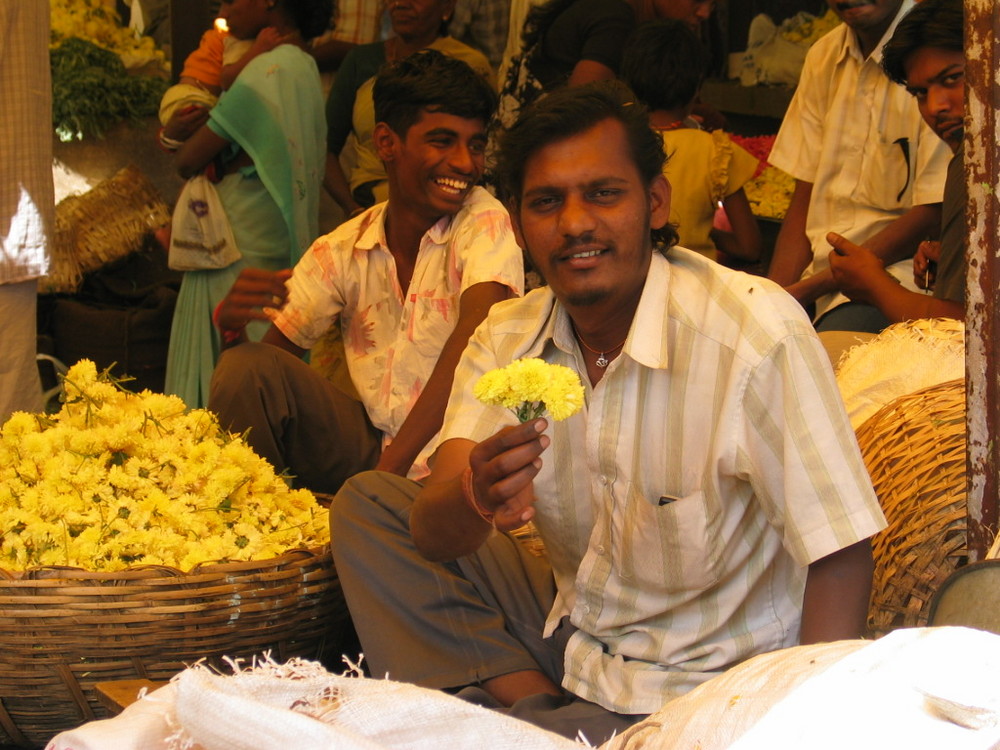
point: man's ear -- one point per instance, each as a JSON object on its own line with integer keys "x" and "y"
{"x": 659, "y": 202}
{"x": 387, "y": 143}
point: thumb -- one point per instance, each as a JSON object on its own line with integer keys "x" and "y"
{"x": 841, "y": 245}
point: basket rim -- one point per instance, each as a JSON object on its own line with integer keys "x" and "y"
{"x": 139, "y": 572}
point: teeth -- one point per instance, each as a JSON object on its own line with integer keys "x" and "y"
{"x": 454, "y": 184}
{"x": 588, "y": 254}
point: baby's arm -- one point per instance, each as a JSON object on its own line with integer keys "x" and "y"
{"x": 266, "y": 40}
{"x": 213, "y": 90}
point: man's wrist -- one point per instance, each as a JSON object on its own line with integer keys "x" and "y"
{"x": 230, "y": 336}
{"x": 469, "y": 492}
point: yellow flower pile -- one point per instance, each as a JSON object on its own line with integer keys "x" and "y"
{"x": 770, "y": 192}
{"x": 97, "y": 21}
{"x": 117, "y": 479}
{"x": 530, "y": 386}
{"x": 806, "y": 29}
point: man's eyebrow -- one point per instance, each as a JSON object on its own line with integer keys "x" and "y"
{"x": 944, "y": 73}
{"x": 434, "y": 132}
{"x": 598, "y": 182}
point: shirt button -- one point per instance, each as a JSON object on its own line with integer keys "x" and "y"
{"x": 600, "y": 549}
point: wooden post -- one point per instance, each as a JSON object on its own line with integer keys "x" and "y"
{"x": 982, "y": 174}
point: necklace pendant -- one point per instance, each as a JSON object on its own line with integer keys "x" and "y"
{"x": 602, "y": 361}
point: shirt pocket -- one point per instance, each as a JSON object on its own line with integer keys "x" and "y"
{"x": 668, "y": 545}
{"x": 431, "y": 324}
{"x": 888, "y": 174}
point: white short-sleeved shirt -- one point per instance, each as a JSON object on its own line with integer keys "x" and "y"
{"x": 392, "y": 339}
{"x": 712, "y": 463}
{"x": 860, "y": 140}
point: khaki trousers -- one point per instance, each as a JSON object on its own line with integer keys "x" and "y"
{"x": 456, "y": 624}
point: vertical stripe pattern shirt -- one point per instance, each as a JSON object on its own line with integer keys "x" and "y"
{"x": 709, "y": 467}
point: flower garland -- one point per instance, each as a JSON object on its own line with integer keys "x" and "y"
{"x": 530, "y": 386}
{"x": 117, "y": 479}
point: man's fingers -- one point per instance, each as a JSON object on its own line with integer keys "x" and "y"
{"x": 841, "y": 245}
{"x": 511, "y": 437}
{"x": 508, "y": 485}
{"x": 503, "y": 452}
{"x": 253, "y": 291}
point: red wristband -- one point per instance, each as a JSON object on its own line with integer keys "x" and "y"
{"x": 470, "y": 497}
{"x": 229, "y": 335}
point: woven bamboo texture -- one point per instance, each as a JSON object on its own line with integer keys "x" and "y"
{"x": 106, "y": 223}
{"x": 914, "y": 448}
{"x": 65, "y": 629}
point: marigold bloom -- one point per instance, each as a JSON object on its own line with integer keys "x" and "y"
{"x": 529, "y": 387}
{"x": 118, "y": 479}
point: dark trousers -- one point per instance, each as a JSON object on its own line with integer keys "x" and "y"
{"x": 296, "y": 418}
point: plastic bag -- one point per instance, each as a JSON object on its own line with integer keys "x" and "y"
{"x": 200, "y": 237}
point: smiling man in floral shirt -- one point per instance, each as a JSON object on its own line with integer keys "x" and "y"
{"x": 407, "y": 281}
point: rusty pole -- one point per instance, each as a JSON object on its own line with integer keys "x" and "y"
{"x": 982, "y": 175}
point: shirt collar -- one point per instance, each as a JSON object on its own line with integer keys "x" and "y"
{"x": 853, "y": 48}
{"x": 371, "y": 234}
{"x": 646, "y": 342}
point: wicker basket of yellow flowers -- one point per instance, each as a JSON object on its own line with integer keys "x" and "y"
{"x": 137, "y": 538}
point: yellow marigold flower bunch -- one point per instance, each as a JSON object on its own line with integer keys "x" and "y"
{"x": 806, "y": 29}
{"x": 530, "y": 386}
{"x": 117, "y": 479}
{"x": 98, "y": 21}
{"x": 770, "y": 193}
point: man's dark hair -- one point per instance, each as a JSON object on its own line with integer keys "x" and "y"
{"x": 567, "y": 112}
{"x": 931, "y": 23}
{"x": 311, "y": 17}
{"x": 663, "y": 64}
{"x": 428, "y": 80}
{"x": 540, "y": 17}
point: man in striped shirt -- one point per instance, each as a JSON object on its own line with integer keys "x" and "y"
{"x": 709, "y": 503}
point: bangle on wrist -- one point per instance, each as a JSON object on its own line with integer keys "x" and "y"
{"x": 168, "y": 144}
{"x": 469, "y": 491}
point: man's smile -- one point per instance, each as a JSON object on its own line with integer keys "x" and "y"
{"x": 452, "y": 185}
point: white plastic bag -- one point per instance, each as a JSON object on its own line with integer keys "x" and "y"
{"x": 200, "y": 235}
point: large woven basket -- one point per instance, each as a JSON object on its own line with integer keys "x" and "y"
{"x": 106, "y": 223}
{"x": 914, "y": 448}
{"x": 63, "y": 629}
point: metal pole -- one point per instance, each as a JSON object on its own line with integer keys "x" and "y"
{"x": 982, "y": 174}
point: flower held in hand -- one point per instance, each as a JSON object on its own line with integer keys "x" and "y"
{"x": 529, "y": 387}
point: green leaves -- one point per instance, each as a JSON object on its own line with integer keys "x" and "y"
{"x": 91, "y": 91}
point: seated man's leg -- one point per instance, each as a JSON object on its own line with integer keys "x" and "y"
{"x": 297, "y": 419}
{"x": 427, "y": 623}
{"x": 475, "y": 621}
{"x": 853, "y": 316}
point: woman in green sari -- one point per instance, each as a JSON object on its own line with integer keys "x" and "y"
{"x": 266, "y": 139}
